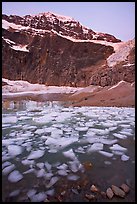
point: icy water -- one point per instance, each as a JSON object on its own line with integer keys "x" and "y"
{"x": 48, "y": 148}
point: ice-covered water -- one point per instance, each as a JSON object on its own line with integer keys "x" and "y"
{"x": 46, "y": 141}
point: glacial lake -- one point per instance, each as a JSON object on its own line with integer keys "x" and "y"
{"x": 46, "y": 145}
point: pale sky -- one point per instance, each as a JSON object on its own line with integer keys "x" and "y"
{"x": 115, "y": 18}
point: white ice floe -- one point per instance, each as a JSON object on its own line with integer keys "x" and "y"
{"x": 70, "y": 154}
{"x": 14, "y": 150}
{"x": 100, "y": 131}
{"x": 127, "y": 132}
{"x": 95, "y": 147}
{"x": 8, "y": 169}
{"x": 48, "y": 166}
{"x": 124, "y": 157}
{"x": 62, "y": 172}
{"x": 9, "y": 119}
{"x": 72, "y": 177}
{"x": 60, "y": 142}
{"x": 40, "y": 173}
{"x": 29, "y": 171}
{"x": 40, "y": 165}
{"x": 81, "y": 129}
{"x": 107, "y": 154}
{"x": 5, "y": 164}
{"x": 39, "y": 197}
{"x": 31, "y": 193}
{"x": 15, "y": 176}
{"x": 62, "y": 166}
{"x": 48, "y": 175}
{"x": 39, "y": 131}
{"x": 117, "y": 147}
{"x": 36, "y": 154}
{"x": 50, "y": 192}
{"x": 120, "y": 136}
{"x": 75, "y": 165}
{"x": 117, "y": 152}
{"x": 52, "y": 181}
{"x": 14, "y": 193}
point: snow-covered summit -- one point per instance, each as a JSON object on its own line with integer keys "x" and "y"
{"x": 51, "y": 16}
{"x": 48, "y": 21}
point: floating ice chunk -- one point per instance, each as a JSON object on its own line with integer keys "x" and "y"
{"x": 63, "y": 116}
{"x": 120, "y": 136}
{"x": 56, "y": 132}
{"x": 39, "y": 197}
{"x": 39, "y": 131}
{"x": 48, "y": 166}
{"x": 15, "y": 176}
{"x": 5, "y": 157}
{"x": 125, "y": 125}
{"x": 7, "y": 163}
{"x": 63, "y": 166}
{"x": 12, "y": 134}
{"x": 36, "y": 154}
{"x": 48, "y": 175}
{"x": 24, "y": 118}
{"x": 89, "y": 124}
{"x": 8, "y": 169}
{"x": 52, "y": 181}
{"x": 60, "y": 142}
{"x": 50, "y": 192}
{"x": 124, "y": 157}
{"x": 100, "y": 131}
{"x": 112, "y": 128}
{"x": 43, "y": 137}
{"x": 14, "y": 150}
{"x": 40, "y": 165}
{"x": 107, "y": 141}
{"x": 14, "y": 193}
{"x": 70, "y": 154}
{"x": 95, "y": 147}
{"x": 44, "y": 119}
{"x": 52, "y": 151}
{"x": 29, "y": 148}
{"x": 74, "y": 165}
{"x": 7, "y": 142}
{"x": 127, "y": 132}
{"x": 31, "y": 193}
{"x": 73, "y": 177}
{"x": 27, "y": 162}
{"x": 108, "y": 124}
{"x": 62, "y": 172}
{"x": 28, "y": 171}
{"x": 9, "y": 119}
{"x": 41, "y": 173}
{"x": 81, "y": 129}
{"x": 116, "y": 152}
{"x": 107, "y": 154}
{"x": 117, "y": 147}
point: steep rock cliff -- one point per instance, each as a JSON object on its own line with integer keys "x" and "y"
{"x": 57, "y": 50}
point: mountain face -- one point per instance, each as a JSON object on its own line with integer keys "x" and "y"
{"x": 57, "y": 50}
